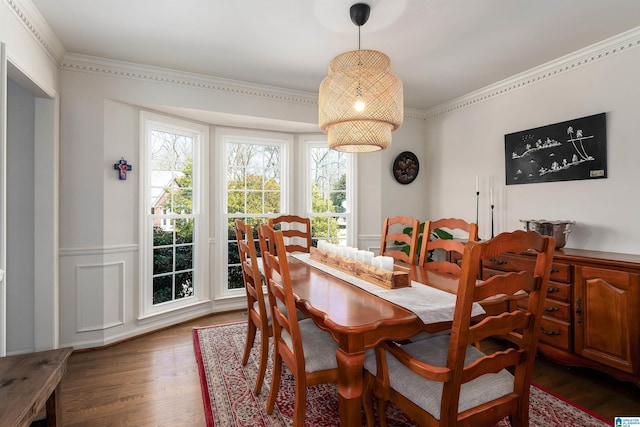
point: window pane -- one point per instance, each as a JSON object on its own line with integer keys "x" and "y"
{"x": 236, "y": 201}
{"x": 162, "y": 260}
{"x": 161, "y": 236}
{"x": 184, "y": 257}
{"x": 236, "y": 281}
{"x": 182, "y": 200}
{"x": 329, "y": 228}
{"x": 234, "y": 256}
{"x": 184, "y": 285}
{"x": 162, "y": 289}
{"x": 254, "y": 202}
{"x": 184, "y": 230}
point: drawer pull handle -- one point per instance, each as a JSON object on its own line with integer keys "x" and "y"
{"x": 497, "y": 261}
{"x": 552, "y": 290}
{"x": 552, "y": 308}
{"x": 550, "y": 332}
{"x": 555, "y": 270}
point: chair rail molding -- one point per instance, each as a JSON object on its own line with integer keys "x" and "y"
{"x": 97, "y": 250}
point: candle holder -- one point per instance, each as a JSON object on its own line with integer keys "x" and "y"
{"x": 477, "y": 205}
{"x": 492, "y": 234}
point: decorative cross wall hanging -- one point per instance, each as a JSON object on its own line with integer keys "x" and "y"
{"x": 122, "y": 167}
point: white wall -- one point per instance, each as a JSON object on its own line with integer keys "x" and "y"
{"x": 469, "y": 140}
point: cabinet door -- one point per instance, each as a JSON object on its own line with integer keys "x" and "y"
{"x": 605, "y": 322}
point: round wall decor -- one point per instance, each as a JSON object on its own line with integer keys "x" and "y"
{"x": 405, "y": 167}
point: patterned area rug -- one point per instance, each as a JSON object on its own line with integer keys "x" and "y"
{"x": 227, "y": 391}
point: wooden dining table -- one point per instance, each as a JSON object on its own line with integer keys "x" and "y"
{"x": 358, "y": 320}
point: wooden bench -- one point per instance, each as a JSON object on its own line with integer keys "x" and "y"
{"x": 29, "y": 383}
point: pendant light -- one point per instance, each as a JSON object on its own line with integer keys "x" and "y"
{"x": 360, "y": 100}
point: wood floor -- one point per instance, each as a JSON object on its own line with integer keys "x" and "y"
{"x": 153, "y": 381}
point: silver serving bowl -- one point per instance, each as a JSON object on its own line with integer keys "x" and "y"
{"x": 556, "y": 229}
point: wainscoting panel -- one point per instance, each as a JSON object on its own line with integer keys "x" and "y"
{"x": 104, "y": 282}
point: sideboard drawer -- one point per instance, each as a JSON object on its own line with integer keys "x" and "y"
{"x": 559, "y": 292}
{"x": 556, "y": 333}
{"x": 557, "y": 310}
{"x": 560, "y": 272}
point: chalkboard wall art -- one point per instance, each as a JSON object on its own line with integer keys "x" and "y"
{"x": 571, "y": 150}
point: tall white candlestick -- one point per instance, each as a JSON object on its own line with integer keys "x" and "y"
{"x": 477, "y": 184}
{"x": 491, "y": 195}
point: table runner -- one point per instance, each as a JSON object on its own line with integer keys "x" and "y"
{"x": 431, "y": 305}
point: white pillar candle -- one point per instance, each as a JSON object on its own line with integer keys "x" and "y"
{"x": 351, "y": 252}
{"x": 376, "y": 262}
{"x": 368, "y": 257}
{"x": 387, "y": 263}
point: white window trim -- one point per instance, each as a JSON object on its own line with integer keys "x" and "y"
{"x": 200, "y": 132}
{"x": 222, "y": 135}
{"x": 320, "y": 140}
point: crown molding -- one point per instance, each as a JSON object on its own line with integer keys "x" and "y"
{"x": 411, "y": 113}
{"x": 588, "y": 55}
{"x": 33, "y": 22}
{"x": 91, "y": 64}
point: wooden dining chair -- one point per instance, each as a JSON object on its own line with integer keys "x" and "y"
{"x": 296, "y": 231}
{"x": 258, "y": 314}
{"x": 446, "y": 380}
{"x": 450, "y": 246}
{"x": 308, "y": 351}
{"x": 392, "y": 232}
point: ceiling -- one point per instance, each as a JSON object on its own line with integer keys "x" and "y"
{"x": 441, "y": 49}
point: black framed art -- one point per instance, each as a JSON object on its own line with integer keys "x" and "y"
{"x": 565, "y": 151}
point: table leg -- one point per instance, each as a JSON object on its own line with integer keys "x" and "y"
{"x": 350, "y": 383}
{"x": 53, "y": 409}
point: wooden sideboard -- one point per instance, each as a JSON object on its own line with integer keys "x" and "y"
{"x": 591, "y": 314}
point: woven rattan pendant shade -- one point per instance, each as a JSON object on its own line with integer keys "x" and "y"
{"x": 364, "y": 76}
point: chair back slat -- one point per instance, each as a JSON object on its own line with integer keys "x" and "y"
{"x": 392, "y": 232}
{"x": 296, "y": 232}
{"x": 499, "y": 325}
{"x": 492, "y": 364}
{"x": 506, "y": 284}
